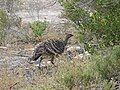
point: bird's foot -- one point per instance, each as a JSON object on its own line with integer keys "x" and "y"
{"x": 30, "y": 61}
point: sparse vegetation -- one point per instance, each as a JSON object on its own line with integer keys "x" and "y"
{"x": 97, "y": 22}
{"x": 4, "y": 20}
{"x": 97, "y": 26}
{"x": 38, "y": 28}
{"x": 95, "y": 72}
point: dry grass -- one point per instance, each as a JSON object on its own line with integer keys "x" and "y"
{"x": 30, "y": 77}
{"x": 23, "y": 78}
{"x": 68, "y": 75}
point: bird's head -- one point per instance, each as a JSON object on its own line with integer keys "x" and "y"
{"x": 69, "y": 35}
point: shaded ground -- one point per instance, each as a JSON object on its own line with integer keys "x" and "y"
{"x": 17, "y": 74}
{"x": 51, "y": 14}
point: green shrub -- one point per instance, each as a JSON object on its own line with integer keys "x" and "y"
{"x": 103, "y": 66}
{"x": 97, "y": 22}
{"x": 38, "y": 28}
{"x": 2, "y": 37}
{"x": 95, "y": 72}
{"x": 109, "y": 66}
{"x": 68, "y": 80}
{"x": 3, "y": 19}
{"x": 68, "y": 75}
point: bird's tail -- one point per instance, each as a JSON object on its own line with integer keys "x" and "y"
{"x": 34, "y": 58}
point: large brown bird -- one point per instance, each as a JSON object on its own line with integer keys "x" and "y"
{"x": 50, "y": 47}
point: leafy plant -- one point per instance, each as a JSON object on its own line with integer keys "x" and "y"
{"x": 2, "y": 37}
{"x": 97, "y": 22}
{"x": 3, "y": 19}
{"x": 102, "y": 67}
{"x": 98, "y": 71}
{"x": 38, "y": 28}
{"x": 68, "y": 75}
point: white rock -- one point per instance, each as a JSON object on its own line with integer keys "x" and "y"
{"x": 48, "y": 62}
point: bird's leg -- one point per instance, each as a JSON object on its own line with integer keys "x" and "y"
{"x": 40, "y": 62}
{"x": 70, "y": 55}
{"x": 41, "y": 66}
{"x": 52, "y": 59}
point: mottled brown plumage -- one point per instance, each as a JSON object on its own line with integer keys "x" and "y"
{"x": 50, "y": 48}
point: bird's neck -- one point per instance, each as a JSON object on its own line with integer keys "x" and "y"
{"x": 66, "y": 40}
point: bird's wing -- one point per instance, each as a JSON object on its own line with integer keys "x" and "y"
{"x": 57, "y": 45}
{"x": 39, "y": 48}
{"x": 49, "y": 48}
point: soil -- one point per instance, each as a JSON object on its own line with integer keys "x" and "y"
{"x": 15, "y": 72}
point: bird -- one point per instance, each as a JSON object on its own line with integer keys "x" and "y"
{"x": 49, "y": 47}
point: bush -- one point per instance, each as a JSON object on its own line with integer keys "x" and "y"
{"x": 97, "y": 22}
{"x": 98, "y": 71}
{"x": 103, "y": 67}
{"x": 4, "y": 20}
{"x": 38, "y": 28}
{"x": 112, "y": 62}
{"x": 2, "y": 37}
{"x": 68, "y": 75}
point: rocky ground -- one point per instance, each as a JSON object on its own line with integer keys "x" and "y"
{"x": 15, "y": 72}
{"x": 50, "y": 13}
{"x": 49, "y": 10}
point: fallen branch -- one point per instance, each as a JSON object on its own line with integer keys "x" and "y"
{"x": 13, "y": 85}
